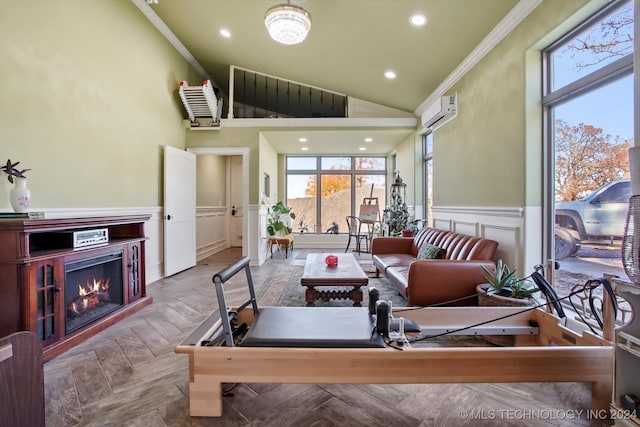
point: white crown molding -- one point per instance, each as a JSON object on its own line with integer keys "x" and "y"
{"x": 171, "y": 37}
{"x": 504, "y": 28}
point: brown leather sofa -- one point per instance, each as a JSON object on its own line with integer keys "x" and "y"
{"x": 434, "y": 281}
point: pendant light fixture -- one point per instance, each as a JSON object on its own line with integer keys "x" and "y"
{"x": 287, "y": 24}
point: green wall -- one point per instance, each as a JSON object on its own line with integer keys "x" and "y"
{"x": 233, "y": 137}
{"x": 269, "y": 166}
{"x": 406, "y": 164}
{"x": 211, "y": 180}
{"x": 481, "y": 158}
{"x": 89, "y": 98}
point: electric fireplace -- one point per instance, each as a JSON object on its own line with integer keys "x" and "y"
{"x": 93, "y": 288}
{"x": 66, "y": 279}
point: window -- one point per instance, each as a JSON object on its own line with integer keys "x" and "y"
{"x": 427, "y": 171}
{"x": 324, "y": 190}
{"x": 618, "y": 193}
{"x": 588, "y": 114}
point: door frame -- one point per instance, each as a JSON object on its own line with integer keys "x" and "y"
{"x": 230, "y": 187}
{"x": 234, "y": 151}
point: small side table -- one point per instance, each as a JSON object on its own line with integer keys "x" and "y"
{"x": 286, "y": 241}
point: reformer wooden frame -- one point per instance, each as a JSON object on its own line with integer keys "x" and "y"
{"x": 544, "y": 351}
{"x": 574, "y": 358}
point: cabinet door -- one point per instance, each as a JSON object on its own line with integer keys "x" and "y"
{"x": 46, "y": 278}
{"x": 135, "y": 268}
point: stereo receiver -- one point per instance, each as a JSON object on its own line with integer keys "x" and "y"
{"x": 96, "y": 236}
{"x": 78, "y": 239}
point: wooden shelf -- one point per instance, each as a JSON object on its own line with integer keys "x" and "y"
{"x": 33, "y": 253}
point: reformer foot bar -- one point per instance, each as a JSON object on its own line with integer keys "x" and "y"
{"x": 544, "y": 351}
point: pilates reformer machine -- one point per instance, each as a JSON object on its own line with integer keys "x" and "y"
{"x": 384, "y": 345}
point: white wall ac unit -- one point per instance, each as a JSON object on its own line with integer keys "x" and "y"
{"x": 440, "y": 112}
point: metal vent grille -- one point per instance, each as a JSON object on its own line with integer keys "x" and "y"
{"x": 631, "y": 241}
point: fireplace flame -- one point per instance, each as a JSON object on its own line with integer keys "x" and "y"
{"x": 98, "y": 286}
{"x": 89, "y": 296}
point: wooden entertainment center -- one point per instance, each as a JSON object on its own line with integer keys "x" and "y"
{"x": 36, "y": 257}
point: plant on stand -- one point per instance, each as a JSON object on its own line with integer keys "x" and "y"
{"x": 396, "y": 217}
{"x": 411, "y": 228}
{"x": 20, "y": 195}
{"x": 279, "y": 219}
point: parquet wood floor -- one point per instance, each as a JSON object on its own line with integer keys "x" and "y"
{"x": 129, "y": 375}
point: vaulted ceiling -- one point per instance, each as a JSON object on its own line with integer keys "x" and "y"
{"x": 352, "y": 43}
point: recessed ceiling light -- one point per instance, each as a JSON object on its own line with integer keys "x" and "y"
{"x": 390, "y": 74}
{"x": 363, "y": 148}
{"x": 302, "y": 139}
{"x": 418, "y": 20}
{"x": 304, "y": 148}
{"x": 225, "y": 33}
{"x": 368, "y": 139}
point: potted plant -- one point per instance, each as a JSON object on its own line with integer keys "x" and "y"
{"x": 504, "y": 289}
{"x": 411, "y": 228}
{"x": 20, "y": 195}
{"x": 278, "y": 219}
{"x": 303, "y": 226}
{"x": 396, "y": 217}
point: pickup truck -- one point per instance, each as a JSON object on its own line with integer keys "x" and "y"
{"x": 599, "y": 216}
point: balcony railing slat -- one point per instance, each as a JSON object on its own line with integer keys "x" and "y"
{"x": 272, "y": 100}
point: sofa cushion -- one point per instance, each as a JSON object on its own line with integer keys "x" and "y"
{"x": 429, "y": 251}
{"x": 398, "y": 276}
{"x": 384, "y": 261}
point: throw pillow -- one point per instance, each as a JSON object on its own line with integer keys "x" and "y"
{"x": 429, "y": 251}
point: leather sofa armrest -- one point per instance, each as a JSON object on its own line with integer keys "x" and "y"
{"x": 391, "y": 245}
{"x": 436, "y": 281}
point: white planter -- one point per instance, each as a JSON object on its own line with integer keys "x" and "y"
{"x": 20, "y": 195}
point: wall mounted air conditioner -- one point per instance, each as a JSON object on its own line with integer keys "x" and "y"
{"x": 440, "y": 112}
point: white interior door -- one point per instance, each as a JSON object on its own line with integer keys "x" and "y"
{"x": 179, "y": 210}
{"x": 236, "y": 197}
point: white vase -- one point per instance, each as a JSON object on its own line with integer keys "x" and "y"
{"x": 20, "y": 195}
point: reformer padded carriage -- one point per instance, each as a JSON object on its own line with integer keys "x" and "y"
{"x": 313, "y": 345}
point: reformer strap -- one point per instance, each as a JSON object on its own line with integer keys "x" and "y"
{"x": 549, "y": 293}
{"x": 607, "y": 287}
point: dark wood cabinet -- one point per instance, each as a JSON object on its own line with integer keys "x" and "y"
{"x": 135, "y": 270}
{"x": 37, "y": 256}
{"x": 46, "y": 280}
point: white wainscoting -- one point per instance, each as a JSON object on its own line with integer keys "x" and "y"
{"x": 154, "y": 246}
{"x": 257, "y": 234}
{"x": 212, "y": 230}
{"x": 505, "y": 225}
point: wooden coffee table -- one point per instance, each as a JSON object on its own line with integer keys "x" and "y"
{"x": 348, "y": 273}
